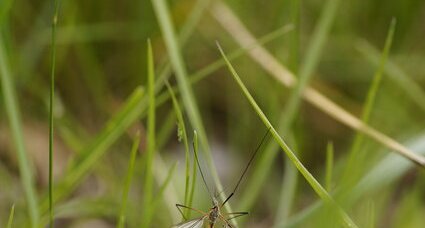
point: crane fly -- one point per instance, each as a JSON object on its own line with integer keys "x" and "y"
{"x": 215, "y": 216}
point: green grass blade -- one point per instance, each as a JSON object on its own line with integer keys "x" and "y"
{"x": 5, "y": 7}
{"x": 167, "y": 28}
{"x": 194, "y": 172}
{"x": 216, "y": 65}
{"x": 288, "y": 188}
{"x": 290, "y": 175}
{"x": 329, "y": 166}
{"x": 51, "y": 101}
{"x": 115, "y": 127}
{"x": 291, "y": 108}
{"x": 127, "y": 183}
{"x": 356, "y": 155}
{"x": 311, "y": 59}
{"x": 151, "y": 144}
{"x": 321, "y": 192}
{"x": 14, "y": 119}
{"x": 183, "y": 135}
{"x": 394, "y": 72}
{"x": 12, "y": 213}
{"x": 161, "y": 190}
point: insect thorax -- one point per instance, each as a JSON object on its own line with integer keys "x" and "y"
{"x": 213, "y": 215}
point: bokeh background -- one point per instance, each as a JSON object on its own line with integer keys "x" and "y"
{"x": 101, "y": 59}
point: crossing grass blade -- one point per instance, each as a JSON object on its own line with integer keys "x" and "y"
{"x": 183, "y": 135}
{"x": 357, "y": 156}
{"x": 189, "y": 102}
{"x": 320, "y": 191}
{"x": 151, "y": 143}
{"x": 14, "y": 119}
{"x": 329, "y": 165}
{"x": 51, "y": 102}
{"x": 12, "y": 213}
{"x": 127, "y": 183}
{"x": 113, "y": 129}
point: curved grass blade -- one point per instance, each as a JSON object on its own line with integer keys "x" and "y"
{"x": 14, "y": 119}
{"x": 51, "y": 101}
{"x": 151, "y": 143}
{"x": 242, "y": 36}
{"x": 182, "y": 135}
{"x": 130, "y": 172}
{"x": 356, "y": 156}
{"x": 189, "y": 101}
{"x": 321, "y": 192}
{"x": 12, "y": 213}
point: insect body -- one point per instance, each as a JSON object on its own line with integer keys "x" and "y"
{"x": 214, "y": 217}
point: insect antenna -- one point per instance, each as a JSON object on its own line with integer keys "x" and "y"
{"x": 247, "y": 166}
{"x": 195, "y": 151}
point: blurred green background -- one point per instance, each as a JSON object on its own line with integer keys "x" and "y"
{"x": 101, "y": 60}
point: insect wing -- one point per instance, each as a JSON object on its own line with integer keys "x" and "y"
{"x": 195, "y": 223}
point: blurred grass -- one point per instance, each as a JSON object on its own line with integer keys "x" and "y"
{"x": 101, "y": 68}
{"x": 127, "y": 183}
{"x": 14, "y": 119}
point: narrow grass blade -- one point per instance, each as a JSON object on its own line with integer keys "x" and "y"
{"x": 182, "y": 135}
{"x": 329, "y": 166}
{"x": 243, "y": 37}
{"x": 5, "y": 7}
{"x": 151, "y": 144}
{"x": 390, "y": 169}
{"x": 51, "y": 102}
{"x": 167, "y": 28}
{"x": 115, "y": 127}
{"x": 352, "y": 172}
{"x": 160, "y": 192}
{"x": 290, "y": 110}
{"x": 127, "y": 183}
{"x": 12, "y": 213}
{"x": 321, "y": 192}
{"x": 211, "y": 68}
{"x": 288, "y": 188}
{"x": 15, "y": 123}
{"x": 394, "y": 72}
{"x": 194, "y": 172}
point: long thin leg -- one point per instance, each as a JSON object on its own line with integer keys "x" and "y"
{"x": 223, "y": 219}
{"x": 236, "y": 214}
{"x": 179, "y": 206}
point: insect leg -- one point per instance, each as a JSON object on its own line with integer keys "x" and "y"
{"x": 180, "y": 206}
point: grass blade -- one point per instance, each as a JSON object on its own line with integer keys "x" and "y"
{"x": 5, "y": 7}
{"x": 167, "y": 28}
{"x": 151, "y": 144}
{"x": 127, "y": 183}
{"x": 242, "y": 36}
{"x": 14, "y": 119}
{"x": 321, "y": 192}
{"x": 182, "y": 135}
{"x": 115, "y": 127}
{"x": 394, "y": 72}
{"x": 12, "y": 213}
{"x": 51, "y": 101}
{"x": 158, "y": 195}
{"x": 329, "y": 166}
{"x": 356, "y": 155}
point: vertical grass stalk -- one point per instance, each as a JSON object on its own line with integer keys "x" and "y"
{"x": 51, "y": 102}
{"x": 127, "y": 183}
{"x": 356, "y": 155}
{"x": 11, "y": 215}
{"x": 321, "y": 192}
{"x": 182, "y": 135}
{"x": 14, "y": 118}
{"x": 148, "y": 188}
